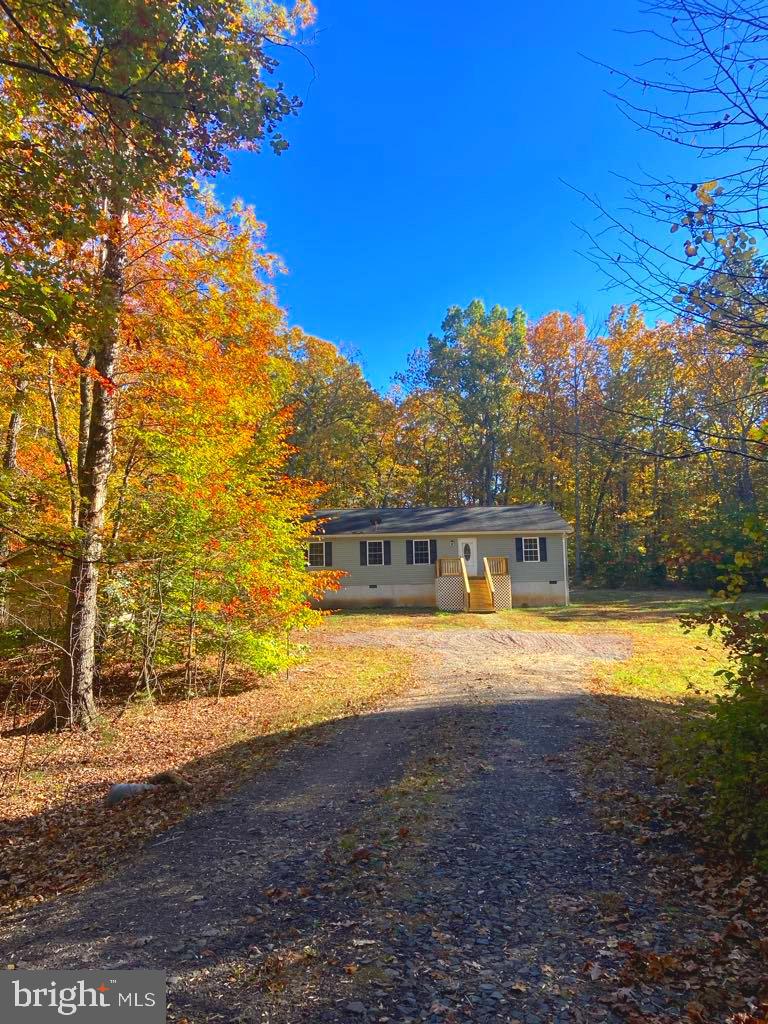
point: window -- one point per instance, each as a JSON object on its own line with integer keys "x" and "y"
{"x": 375, "y": 552}
{"x": 531, "y": 549}
{"x": 316, "y": 554}
{"x": 421, "y": 552}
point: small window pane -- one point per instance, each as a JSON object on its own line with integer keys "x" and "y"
{"x": 375, "y": 552}
{"x": 316, "y": 554}
{"x": 421, "y": 552}
{"x": 530, "y": 549}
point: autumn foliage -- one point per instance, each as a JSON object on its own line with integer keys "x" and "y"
{"x": 203, "y": 555}
{"x": 112, "y": 116}
{"x": 647, "y": 438}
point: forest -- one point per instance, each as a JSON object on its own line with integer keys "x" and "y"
{"x": 229, "y": 425}
{"x": 646, "y": 438}
{"x": 167, "y": 429}
{"x": 400, "y": 814}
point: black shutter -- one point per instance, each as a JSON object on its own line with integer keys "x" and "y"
{"x": 387, "y": 552}
{"x": 409, "y": 552}
{"x": 519, "y": 548}
{"x": 328, "y": 553}
{"x": 363, "y": 553}
{"x": 542, "y": 549}
{"x": 432, "y": 552}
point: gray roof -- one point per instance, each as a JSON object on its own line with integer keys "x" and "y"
{"x": 424, "y": 519}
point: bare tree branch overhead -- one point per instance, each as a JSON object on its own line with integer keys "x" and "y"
{"x": 696, "y": 246}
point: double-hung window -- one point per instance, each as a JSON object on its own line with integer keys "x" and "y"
{"x": 531, "y": 549}
{"x": 316, "y": 554}
{"x": 375, "y": 552}
{"x": 421, "y": 552}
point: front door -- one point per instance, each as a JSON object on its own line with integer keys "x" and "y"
{"x": 468, "y": 551}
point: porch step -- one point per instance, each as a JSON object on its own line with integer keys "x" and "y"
{"x": 479, "y": 595}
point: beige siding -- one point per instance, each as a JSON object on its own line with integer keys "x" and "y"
{"x": 346, "y": 556}
{"x": 504, "y": 544}
{"x": 526, "y": 572}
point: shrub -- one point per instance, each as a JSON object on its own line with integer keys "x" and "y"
{"x": 727, "y": 752}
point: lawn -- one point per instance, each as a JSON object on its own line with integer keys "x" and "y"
{"x": 667, "y": 663}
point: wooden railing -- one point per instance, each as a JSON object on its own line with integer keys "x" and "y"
{"x": 467, "y": 589}
{"x": 455, "y": 567}
{"x": 496, "y": 565}
{"x": 489, "y": 580}
{"x": 449, "y": 566}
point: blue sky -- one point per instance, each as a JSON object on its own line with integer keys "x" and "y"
{"x": 425, "y": 167}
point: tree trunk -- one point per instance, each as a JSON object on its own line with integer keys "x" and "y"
{"x": 10, "y": 453}
{"x": 746, "y": 487}
{"x": 597, "y": 510}
{"x": 74, "y": 704}
{"x": 86, "y": 404}
{"x": 653, "y": 543}
{"x": 190, "y": 671}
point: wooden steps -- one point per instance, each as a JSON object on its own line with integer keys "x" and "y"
{"x": 479, "y": 595}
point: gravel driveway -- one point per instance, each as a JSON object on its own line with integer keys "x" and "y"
{"x": 433, "y": 860}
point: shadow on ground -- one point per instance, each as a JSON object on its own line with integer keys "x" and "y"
{"x": 229, "y": 901}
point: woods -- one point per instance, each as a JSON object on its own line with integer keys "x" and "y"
{"x": 646, "y": 438}
{"x": 111, "y": 113}
{"x": 200, "y": 520}
{"x": 420, "y": 674}
{"x": 168, "y": 428}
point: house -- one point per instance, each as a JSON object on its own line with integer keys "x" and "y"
{"x": 479, "y": 558}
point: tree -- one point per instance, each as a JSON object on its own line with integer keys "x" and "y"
{"x": 562, "y": 371}
{"x": 129, "y": 101}
{"x": 204, "y": 532}
{"x": 705, "y": 90}
{"x": 207, "y": 532}
{"x": 471, "y": 366}
{"x": 333, "y": 413}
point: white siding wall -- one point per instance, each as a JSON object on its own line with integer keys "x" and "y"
{"x": 346, "y": 556}
{"x": 526, "y": 572}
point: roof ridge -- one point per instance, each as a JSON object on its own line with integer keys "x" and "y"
{"x": 432, "y": 508}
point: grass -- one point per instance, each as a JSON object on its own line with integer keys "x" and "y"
{"x": 589, "y": 610}
{"x": 645, "y": 699}
{"x": 667, "y": 664}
